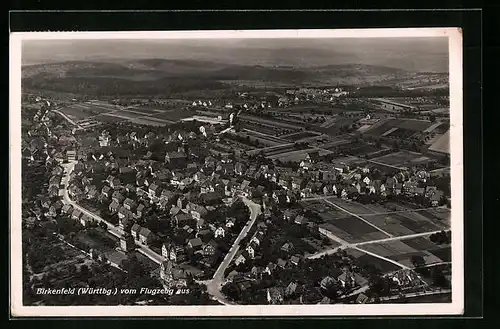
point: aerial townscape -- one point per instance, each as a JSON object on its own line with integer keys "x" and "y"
{"x": 187, "y": 182}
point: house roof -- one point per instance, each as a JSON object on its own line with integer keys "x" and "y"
{"x": 136, "y": 228}
{"x": 145, "y": 232}
{"x": 196, "y": 242}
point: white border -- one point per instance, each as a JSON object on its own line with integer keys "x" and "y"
{"x": 456, "y": 141}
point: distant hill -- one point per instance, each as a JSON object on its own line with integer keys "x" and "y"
{"x": 151, "y": 69}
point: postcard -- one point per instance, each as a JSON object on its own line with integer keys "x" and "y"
{"x": 236, "y": 173}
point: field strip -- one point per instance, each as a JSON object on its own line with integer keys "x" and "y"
{"x": 395, "y": 238}
{"x": 383, "y": 164}
{"x": 137, "y": 112}
{"x": 96, "y": 115}
{"x": 361, "y": 218}
{"x": 397, "y": 212}
{"x": 383, "y": 258}
{"x": 117, "y": 116}
{"x": 155, "y": 119}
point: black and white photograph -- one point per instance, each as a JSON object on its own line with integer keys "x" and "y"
{"x": 236, "y": 173}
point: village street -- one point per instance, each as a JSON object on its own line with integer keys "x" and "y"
{"x": 214, "y": 286}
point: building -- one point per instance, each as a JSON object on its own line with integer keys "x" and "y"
{"x": 275, "y": 295}
{"x": 176, "y": 159}
{"x": 127, "y": 242}
{"x": 195, "y": 244}
{"x": 145, "y": 236}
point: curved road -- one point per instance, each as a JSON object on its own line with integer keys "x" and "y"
{"x": 214, "y": 286}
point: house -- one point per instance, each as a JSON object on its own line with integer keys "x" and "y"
{"x": 220, "y": 232}
{"x": 257, "y": 271}
{"x": 270, "y": 268}
{"x": 210, "y": 248}
{"x": 251, "y": 249}
{"x": 182, "y": 202}
{"x": 166, "y": 195}
{"x": 287, "y": 247}
{"x": 76, "y": 214}
{"x": 197, "y": 211}
{"x": 297, "y": 183}
{"x": 127, "y": 243}
{"x": 135, "y": 231}
{"x": 115, "y": 183}
{"x": 300, "y": 220}
{"x": 92, "y": 192}
{"x": 141, "y": 210}
{"x": 281, "y": 263}
{"x": 195, "y": 244}
{"x": 230, "y": 222}
{"x": 129, "y": 204}
{"x": 398, "y": 188}
{"x": 145, "y": 236}
{"x": 291, "y": 289}
{"x": 117, "y": 197}
{"x": 257, "y": 238}
{"x": 289, "y": 215}
{"x": 362, "y": 299}
{"x": 295, "y": 260}
{"x": 327, "y": 282}
{"x": 107, "y": 191}
{"x": 85, "y": 220}
{"x": 176, "y": 159}
{"x": 181, "y": 218}
{"x": 240, "y": 260}
{"x": 205, "y": 235}
{"x": 275, "y": 295}
{"x": 154, "y": 190}
{"x": 436, "y": 198}
{"x": 124, "y": 213}
{"x": 55, "y": 208}
{"x": 66, "y": 209}
{"x": 125, "y": 223}
{"x": 346, "y": 279}
{"x": 114, "y": 206}
{"x": 172, "y": 276}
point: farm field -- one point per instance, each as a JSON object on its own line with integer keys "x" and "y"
{"x": 123, "y": 115}
{"x": 141, "y": 111}
{"x": 351, "y": 229}
{"x": 106, "y": 118}
{"x": 300, "y": 135}
{"x": 365, "y": 259}
{"x": 269, "y": 122}
{"x": 402, "y": 251}
{"x": 144, "y": 121}
{"x": 402, "y": 158}
{"x": 296, "y": 155}
{"x": 403, "y": 222}
{"x": 96, "y": 108}
{"x": 406, "y": 124}
{"x": 76, "y": 113}
{"x": 443, "y": 252}
{"x": 174, "y": 114}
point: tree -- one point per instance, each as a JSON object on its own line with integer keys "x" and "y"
{"x": 417, "y": 261}
{"x": 103, "y": 225}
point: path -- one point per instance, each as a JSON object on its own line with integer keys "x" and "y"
{"x": 214, "y": 286}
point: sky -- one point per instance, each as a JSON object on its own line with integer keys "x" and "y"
{"x": 414, "y": 54}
